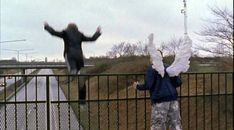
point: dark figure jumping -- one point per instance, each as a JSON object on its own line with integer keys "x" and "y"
{"x": 73, "y": 53}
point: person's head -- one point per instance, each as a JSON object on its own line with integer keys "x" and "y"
{"x": 72, "y": 26}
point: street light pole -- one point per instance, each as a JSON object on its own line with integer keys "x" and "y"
{"x": 20, "y": 40}
{"x": 184, "y": 11}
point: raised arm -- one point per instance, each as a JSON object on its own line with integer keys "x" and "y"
{"x": 150, "y": 79}
{"x": 94, "y": 37}
{"x": 52, "y": 31}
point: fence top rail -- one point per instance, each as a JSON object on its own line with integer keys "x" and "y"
{"x": 35, "y": 66}
{"x": 103, "y": 74}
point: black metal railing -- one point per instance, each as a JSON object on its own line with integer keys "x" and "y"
{"x": 49, "y": 101}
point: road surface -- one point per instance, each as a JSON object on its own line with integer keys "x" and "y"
{"x": 33, "y": 115}
{"x": 10, "y": 81}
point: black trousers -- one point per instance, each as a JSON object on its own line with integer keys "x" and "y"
{"x": 82, "y": 87}
{"x": 72, "y": 69}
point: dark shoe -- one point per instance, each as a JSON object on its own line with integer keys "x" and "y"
{"x": 82, "y": 102}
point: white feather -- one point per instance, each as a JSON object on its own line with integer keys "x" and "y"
{"x": 181, "y": 62}
{"x": 155, "y": 56}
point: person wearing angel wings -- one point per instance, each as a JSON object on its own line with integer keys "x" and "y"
{"x": 161, "y": 80}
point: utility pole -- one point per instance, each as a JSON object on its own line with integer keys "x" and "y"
{"x": 184, "y": 11}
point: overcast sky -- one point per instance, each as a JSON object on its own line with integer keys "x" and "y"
{"x": 121, "y": 20}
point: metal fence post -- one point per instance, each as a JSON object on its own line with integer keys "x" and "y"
{"x": 48, "y": 102}
{"x": 23, "y": 72}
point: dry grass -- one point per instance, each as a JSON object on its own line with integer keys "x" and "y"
{"x": 9, "y": 71}
{"x": 206, "y": 84}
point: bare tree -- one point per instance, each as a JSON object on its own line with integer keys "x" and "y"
{"x": 111, "y": 54}
{"x": 171, "y": 47}
{"x": 130, "y": 49}
{"x": 141, "y": 49}
{"x": 127, "y": 49}
{"x": 219, "y": 32}
{"x": 117, "y": 50}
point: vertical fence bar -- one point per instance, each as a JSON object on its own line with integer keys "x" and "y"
{"x": 36, "y": 103}
{"x": 196, "y": 99}
{"x": 59, "y": 119}
{"x": 204, "y": 99}
{"x": 108, "y": 100}
{"x": 145, "y": 107}
{"x": 79, "y": 101}
{"x": 69, "y": 102}
{"x": 5, "y": 106}
{"x": 117, "y": 102}
{"x": 15, "y": 103}
{"x": 218, "y": 101}
{"x": 232, "y": 101}
{"x": 181, "y": 100}
{"x": 88, "y": 102}
{"x": 226, "y": 101}
{"x": 48, "y": 101}
{"x": 188, "y": 101}
{"x": 136, "y": 102}
{"x": 211, "y": 109}
{"x": 26, "y": 99}
{"x": 127, "y": 101}
{"x": 98, "y": 103}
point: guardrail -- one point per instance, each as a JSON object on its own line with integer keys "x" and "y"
{"x": 51, "y": 102}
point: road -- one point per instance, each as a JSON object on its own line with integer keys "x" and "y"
{"x": 10, "y": 81}
{"x": 33, "y": 115}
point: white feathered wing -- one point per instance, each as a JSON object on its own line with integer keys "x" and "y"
{"x": 155, "y": 56}
{"x": 181, "y": 62}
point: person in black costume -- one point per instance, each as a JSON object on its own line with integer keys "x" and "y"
{"x": 73, "y": 53}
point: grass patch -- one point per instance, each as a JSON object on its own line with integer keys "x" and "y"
{"x": 9, "y": 71}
